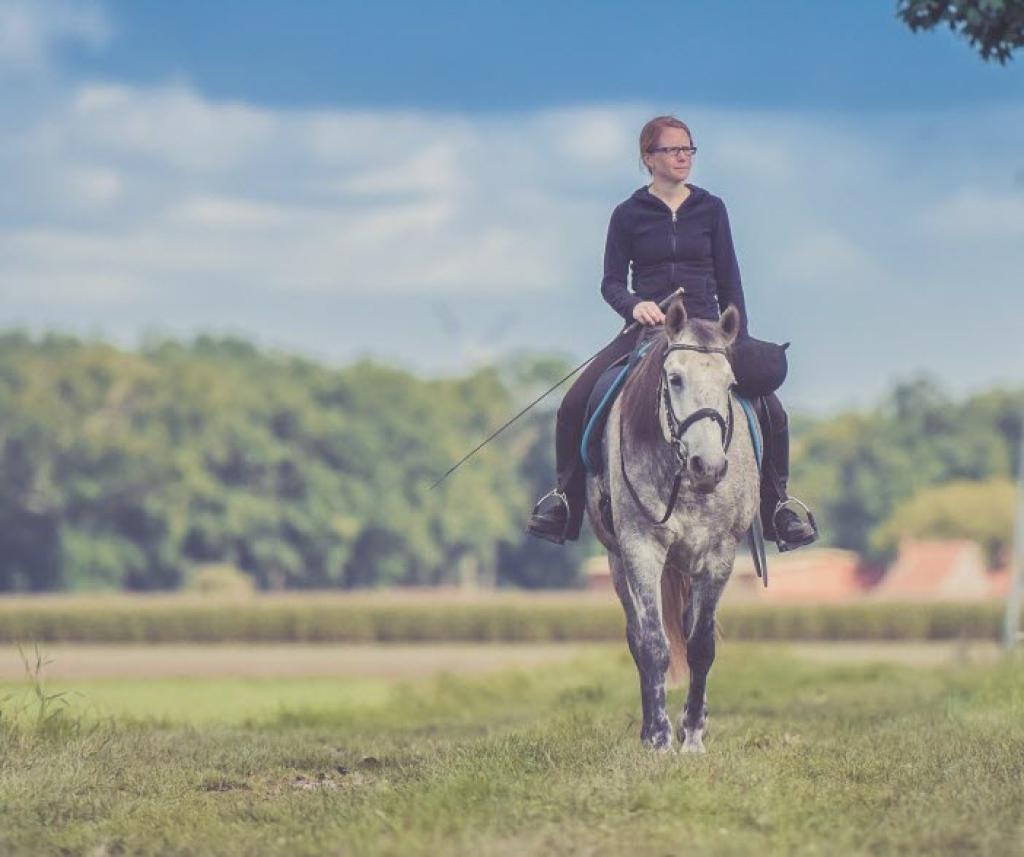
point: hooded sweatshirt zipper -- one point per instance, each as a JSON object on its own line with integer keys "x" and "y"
{"x": 672, "y": 261}
{"x": 672, "y": 264}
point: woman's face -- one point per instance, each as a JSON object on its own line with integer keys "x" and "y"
{"x": 669, "y": 167}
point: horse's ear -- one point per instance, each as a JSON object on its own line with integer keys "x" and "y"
{"x": 675, "y": 318}
{"x": 729, "y": 324}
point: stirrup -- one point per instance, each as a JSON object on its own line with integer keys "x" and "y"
{"x": 558, "y": 538}
{"x": 555, "y": 492}
{"x": 782, "y": 544}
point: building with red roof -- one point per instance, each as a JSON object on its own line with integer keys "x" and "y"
{"x": 937, "y": 570}
{"x": 807, "y": 576}
{"x": 924, "y": 570}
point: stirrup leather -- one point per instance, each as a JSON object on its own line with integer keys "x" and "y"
{"x": 779, "y": 541}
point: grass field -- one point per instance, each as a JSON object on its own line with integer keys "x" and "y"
{"x": 806, "y": 756}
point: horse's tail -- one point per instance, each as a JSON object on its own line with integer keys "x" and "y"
{"x": 675, "y": 599}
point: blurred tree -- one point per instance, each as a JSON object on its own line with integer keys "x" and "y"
{"x": 856, "y": 468}
{"x": 220, "y": 579}
{"x": 982, "y": 511}
{"x": 993, "y": 27}
{"x": 525, "y": 561}
{"x": 128, "y": 470}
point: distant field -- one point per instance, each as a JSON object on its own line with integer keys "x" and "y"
{"x": 804, "y": 757}
{"x": 288, "y": 660}
{"x": 453, "y": 616}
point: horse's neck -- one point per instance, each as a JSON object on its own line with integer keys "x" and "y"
{"x": 654, "y": 465}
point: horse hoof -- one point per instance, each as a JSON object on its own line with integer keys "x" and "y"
{"x": 660, "y": 742}
{"x": 693, "y": 744}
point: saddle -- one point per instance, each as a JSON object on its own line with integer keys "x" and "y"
{"x": 760, "y": 368}
{"x": 611, "y": 381}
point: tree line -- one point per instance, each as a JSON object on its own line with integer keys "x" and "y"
{"x": 132, "y": 469}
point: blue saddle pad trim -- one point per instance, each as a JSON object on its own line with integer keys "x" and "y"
{"x": 597, "y": 418}
{"x": 754, "y": 425}
{"x": 756, "y": 534}
{"x": 597, "y": 415}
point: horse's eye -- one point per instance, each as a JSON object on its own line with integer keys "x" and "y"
{"x": 676, "y": 381}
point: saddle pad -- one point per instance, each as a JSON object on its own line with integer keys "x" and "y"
{"x": 599, "y": 404}
{"x": 755, "y": 428}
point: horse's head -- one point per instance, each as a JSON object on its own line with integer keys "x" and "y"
{"x": 695, "y": 409}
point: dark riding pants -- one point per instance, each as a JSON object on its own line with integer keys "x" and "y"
{"x": 569, "y": 433}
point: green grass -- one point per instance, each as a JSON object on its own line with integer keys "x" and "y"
{"x": 205, "y": 700}
{"x": 803, "y": 758}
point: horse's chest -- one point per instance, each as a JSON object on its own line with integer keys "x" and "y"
{"x": 701, "y": 526}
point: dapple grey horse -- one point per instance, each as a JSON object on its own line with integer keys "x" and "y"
{"x": 677, "y": 435}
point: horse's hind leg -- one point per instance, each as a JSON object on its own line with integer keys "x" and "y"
{"x": 700, "y": 654}
{"x": 640, "y": 595}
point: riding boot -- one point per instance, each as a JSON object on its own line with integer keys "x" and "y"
{"x": 558, "y": 515}
{"x": 782, "y": 525}
{"x": 572, "y": 475}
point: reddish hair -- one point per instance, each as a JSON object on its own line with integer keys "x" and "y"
{"x": 651, "y": 132}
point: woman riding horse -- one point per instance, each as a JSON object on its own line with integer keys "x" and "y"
{"x": 675, "y": 234}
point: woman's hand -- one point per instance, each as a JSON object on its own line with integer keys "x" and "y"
{"x": 648, "y": 312}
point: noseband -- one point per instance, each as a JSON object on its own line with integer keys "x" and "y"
{"x": 677, "y": 428}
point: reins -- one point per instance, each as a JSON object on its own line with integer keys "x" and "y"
{"x": 677, "y": 428}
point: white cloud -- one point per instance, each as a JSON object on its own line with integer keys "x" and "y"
{"x": 434, "y": 169}
{"x": 94, "y": 187}
{"x": 149, "y": 197}
{"x": 31, "y": 29}
{"x": 591, "y": 137}
{"x": 414, "y": 205}
{"x": 820, "y": 255}
{"x": 219, "y": 212}
{"x": 991, "y": 214}
{"x": 172, "y": 126}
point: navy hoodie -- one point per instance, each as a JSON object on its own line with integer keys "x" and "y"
{"x": 691, "y": 247}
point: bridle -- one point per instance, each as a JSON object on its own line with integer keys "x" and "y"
{"x": 677, "y": 428}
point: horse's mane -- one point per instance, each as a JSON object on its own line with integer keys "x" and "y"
{"x": 640, "y": 406}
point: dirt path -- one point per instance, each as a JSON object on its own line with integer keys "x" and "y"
{"x": 281, "y": 661}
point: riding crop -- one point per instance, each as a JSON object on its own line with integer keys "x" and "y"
{"x": 628, "y": 328}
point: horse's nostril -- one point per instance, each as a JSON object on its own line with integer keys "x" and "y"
{"x": 697, "y": 463}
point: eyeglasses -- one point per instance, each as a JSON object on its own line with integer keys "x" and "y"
{"x": 675, "y": 151}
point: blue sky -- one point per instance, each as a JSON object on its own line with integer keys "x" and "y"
{"x": 431, "y": 183}
{"x": 499, "y": 56}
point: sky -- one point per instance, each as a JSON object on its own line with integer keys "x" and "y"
{"x": 430, "y": 183}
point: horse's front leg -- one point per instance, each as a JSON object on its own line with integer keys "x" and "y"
{"x": 700, "y": 654}
{"x": 638, "y": 584}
